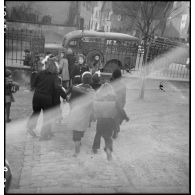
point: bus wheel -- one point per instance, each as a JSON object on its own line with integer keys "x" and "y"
{"x": 112, "y": 65}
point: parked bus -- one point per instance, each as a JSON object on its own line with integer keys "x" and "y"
{"x": 116, "y": 50}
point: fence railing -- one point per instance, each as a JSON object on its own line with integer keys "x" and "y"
{"x": 17, "y": 41}
{"x": 177, "y": 69}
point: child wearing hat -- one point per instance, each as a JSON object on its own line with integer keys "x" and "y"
{"x": 10, "y": 88}
{"x": 96, "y": 81}
{"x": 81, "y": 109}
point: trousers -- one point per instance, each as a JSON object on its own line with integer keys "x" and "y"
{"x": 104, "y": 128}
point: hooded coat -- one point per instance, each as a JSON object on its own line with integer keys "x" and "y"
{"x": 81, "y": 106}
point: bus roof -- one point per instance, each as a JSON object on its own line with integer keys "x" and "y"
{"x": 110, "y": 35}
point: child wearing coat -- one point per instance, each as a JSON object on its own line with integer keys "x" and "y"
{"x": 10, "y": 88}
{"x": 81, "y": 109}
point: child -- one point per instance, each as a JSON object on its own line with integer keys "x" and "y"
{"x": 10, "y": 87}
{"x": 96, "y": 81}
{"x": 81, "y": 109}
{"x": 105, "y": 111}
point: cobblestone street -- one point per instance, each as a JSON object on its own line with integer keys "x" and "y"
{"x": 151, "y": 153}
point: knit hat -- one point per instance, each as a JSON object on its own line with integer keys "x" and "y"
{"x": 116, "y": 74}
{"x": 77, "y": 80}
{"x": 87, "y": 78}
{"x": 8, "y": 73}
{"x": 96, "y": 78}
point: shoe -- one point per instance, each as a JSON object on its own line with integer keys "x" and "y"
{"x": 8, "y": 120}
{"x": 42, "y": 138}
{"x": 95, "y": 151}
{"x": 32, "y": 133}
{"x": 75, "y": 155}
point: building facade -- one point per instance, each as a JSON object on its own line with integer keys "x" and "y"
{"x": 57, "y": 10}
{"x": 106, "y": 14}
{"x": 178, "y": 23}
{"x": 86, "y": 11}
{"x": 96, "y": 16}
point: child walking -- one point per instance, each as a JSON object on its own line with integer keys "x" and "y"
{"x": 10, "y": 88}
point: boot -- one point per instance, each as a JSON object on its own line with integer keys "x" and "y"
{"x": 109, "y": 154}
{"x": 77, "y": 148}
{"x": 32, "y": 133}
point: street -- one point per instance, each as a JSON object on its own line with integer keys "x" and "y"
{"x": 151, "y": 154}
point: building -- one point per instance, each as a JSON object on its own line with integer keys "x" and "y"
{"x": 57, "y": 10}
{"x": 96, "y": 16}
{"x": 106, "y": 13}
{"x": 177, "y": 25}
{"x": 85, "y": 11}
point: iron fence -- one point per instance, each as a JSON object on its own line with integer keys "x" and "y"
{"x": 18, "y": 42}
{"x": 177, "y": 69}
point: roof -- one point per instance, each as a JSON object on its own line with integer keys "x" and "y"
{"x": 110, "y": 35}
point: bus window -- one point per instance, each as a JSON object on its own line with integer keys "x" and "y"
{"x": 73, "y": 43}
{"x": 92, "y": 40}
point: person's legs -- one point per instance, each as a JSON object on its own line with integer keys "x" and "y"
{"x": 116, "y": 131}
{"x": 108, "y": 147}
{"x": 48, "y": 118}
{"x": 96, "y": 141}
{"x": 43, "y": 102}
{"x": 7, "y": 111}
{"x": 31, "y": 124}
{"x": 77, "y": 135}
{"x": 107, "y": 135}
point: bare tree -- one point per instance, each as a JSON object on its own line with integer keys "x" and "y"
{"x": 148, "y": 17}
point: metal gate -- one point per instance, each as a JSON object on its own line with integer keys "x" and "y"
{"x": 18, "y": 41}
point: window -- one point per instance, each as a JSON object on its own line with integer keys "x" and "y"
{"x": 73, "y": 43}
{"x": 91, "y": 39}
{"x": 119, "y": 17}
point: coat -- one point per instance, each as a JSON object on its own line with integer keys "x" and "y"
{"x": 10, "y": 88}
{"x": 79, "y": 70}
{"x": 63, "y": 65}
{"x": 48, "y": 84}
{"x": 120, "y": 91}
{"x": 71, "y": 63}
{"x": 81, "y": 107}
{"x": 106, "y": 110}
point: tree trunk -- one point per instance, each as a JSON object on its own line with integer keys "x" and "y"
{"x": 144, "y": 72}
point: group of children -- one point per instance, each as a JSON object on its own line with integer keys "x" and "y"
{"x": 92, "y": 101}
{"x": 89, "y": 99}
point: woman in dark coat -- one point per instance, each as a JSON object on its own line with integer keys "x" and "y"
{"x": 71, "y": 62}
{"x": 46, "y": 83}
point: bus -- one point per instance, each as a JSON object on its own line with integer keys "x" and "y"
{"x": 116, "y": 50}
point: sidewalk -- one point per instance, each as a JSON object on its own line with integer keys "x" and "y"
{"x": 151, "y": 153}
